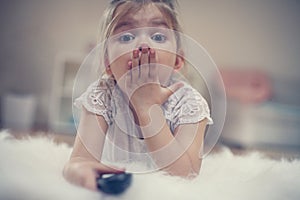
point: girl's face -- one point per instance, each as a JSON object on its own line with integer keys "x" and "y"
{"x": 145, "y": 28}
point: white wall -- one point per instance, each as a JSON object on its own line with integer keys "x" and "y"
{"x": 33, "y": 32}
{"x": 261, "y": 34}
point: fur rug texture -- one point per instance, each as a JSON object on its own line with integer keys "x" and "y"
{"x": 32, "y": 169}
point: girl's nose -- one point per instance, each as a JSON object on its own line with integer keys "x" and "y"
{"x": 143, "y": 46}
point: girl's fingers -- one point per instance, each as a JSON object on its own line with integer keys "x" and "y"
{"x": 173, "y": 88}
{"x": 144, "y": 64}
{"x": 135, "y": 64}
{"x": 103, "y": 169}
{"x": 153, "y": 67}
{"x": 129, "y": 73}
{"x": 170, "y": 90}
{"x": 90, "y": 181}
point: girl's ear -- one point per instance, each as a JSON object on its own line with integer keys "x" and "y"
{"x": 179, "y": 62}
{"x": 108, "y": 71}
{"x": 107, "y": 66}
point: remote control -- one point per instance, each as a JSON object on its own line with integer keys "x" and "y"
{"x": 114, "y": 184}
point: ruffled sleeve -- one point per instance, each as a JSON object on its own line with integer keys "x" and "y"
{"x": 96, "y": 99}
{"x": 185, "y": 106}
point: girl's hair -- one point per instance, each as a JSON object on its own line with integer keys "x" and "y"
{"x": 110, "y": 19}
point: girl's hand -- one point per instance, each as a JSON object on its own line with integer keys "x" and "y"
{"x": 142, "y": 84}
{"x": 84, "y": 173}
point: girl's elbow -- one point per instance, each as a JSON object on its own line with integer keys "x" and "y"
{"x": 184, "y": 171}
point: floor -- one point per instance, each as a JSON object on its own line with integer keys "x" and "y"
{"x": 59, "y": 138}
{"x": 273, "y": 153}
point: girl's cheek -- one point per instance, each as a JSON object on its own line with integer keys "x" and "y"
{"x": 117, "y": 51}
{"x": 164, "y": 52}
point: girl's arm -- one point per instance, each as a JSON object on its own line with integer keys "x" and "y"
{"x": 146, "y": 95}
{"x": 185, "y": 145}
{"x": 84, "y": 167}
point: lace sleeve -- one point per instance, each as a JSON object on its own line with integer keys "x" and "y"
{"x": 187, "y": 105}
{"x": 96, "y": 100}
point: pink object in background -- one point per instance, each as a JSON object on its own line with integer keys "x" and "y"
{"x": 246, "y": 86}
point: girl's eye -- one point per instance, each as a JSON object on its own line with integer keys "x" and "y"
{"x": 159, "y": 37}
{"x": 126, "y": 37}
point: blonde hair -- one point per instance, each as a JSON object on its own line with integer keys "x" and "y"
{"x": 110, "y": 19}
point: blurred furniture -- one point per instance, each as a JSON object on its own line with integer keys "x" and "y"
{"x": 266, "y": 125}
{"x": 18, "y": 111}
{"x": 256, "y": 117}
{"x": 61, "y": 115}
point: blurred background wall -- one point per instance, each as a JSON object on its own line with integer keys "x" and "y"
{"x": 32, "y": 34}
{"x": 245, "y": 35}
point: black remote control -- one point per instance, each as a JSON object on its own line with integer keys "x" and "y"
{"x": 114, "y": 184}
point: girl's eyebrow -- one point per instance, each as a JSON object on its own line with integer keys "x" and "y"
{"x": 123, "y": 24}
{"x": 159, "y": 22}
{"x": 155, "y": 22}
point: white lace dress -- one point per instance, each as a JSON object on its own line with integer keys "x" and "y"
{"x": 123, "y": 145}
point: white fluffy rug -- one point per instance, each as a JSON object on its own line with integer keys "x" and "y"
{"x": 32, "y": 169}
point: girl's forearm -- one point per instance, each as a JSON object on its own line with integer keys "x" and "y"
{"x": 166, "y": 150}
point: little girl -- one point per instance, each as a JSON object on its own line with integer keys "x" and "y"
{"x": 138, "y": 117}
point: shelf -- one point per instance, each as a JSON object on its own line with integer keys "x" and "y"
{"x": 65, "y": 70}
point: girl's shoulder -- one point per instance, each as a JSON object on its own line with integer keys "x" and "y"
{"x": 186, "y": 105}
{"x": 186, "y": 92}
{"x": 97, "y": 98}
